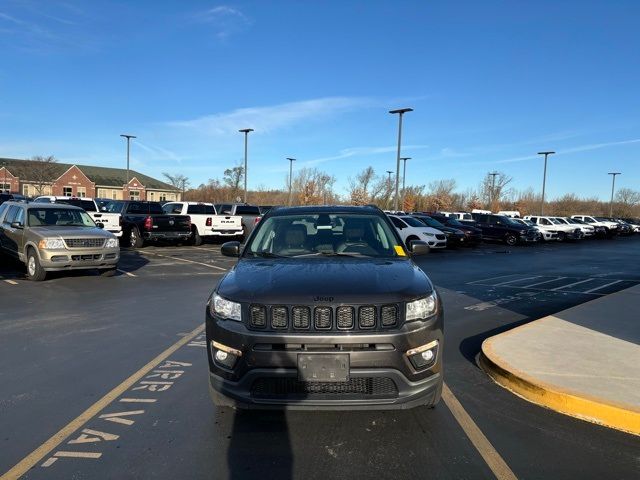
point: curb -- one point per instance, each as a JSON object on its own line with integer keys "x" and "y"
{"x": 593, "y": 410}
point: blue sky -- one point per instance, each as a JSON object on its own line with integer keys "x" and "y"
{"x": 491, "y": 83}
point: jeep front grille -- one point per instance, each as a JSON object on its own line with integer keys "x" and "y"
{"x": 356, "y": 387}
{"x": 324, "y": 318}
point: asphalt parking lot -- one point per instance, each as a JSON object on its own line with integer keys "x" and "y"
{"x": 107, "y": 378}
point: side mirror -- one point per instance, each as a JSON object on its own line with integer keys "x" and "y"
{"x": 418, "y": 247}
{"x": 16, "y": 225}
{"x": 103, "y": 209}
{"x": 230, "y": 249}
{"x": 100, "y": 225}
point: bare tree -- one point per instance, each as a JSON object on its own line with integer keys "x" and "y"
{"x": 178, "y": 181}
{"x": 359, "y": 187}
{"x": 232, "y": 178}
{"x": 626, "y": 200}
{"x": 313, "y": 186}
{"x": 42, "y": 172}
{"x": 494, "y": 188}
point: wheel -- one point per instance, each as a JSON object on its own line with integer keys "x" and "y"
{"x": 196, "y": 239}
{"x": 109, "y": 272}
{"x": 562, "y": 236}
{"x": 135, "y": 240}
{"x": 35, "y": 272}
{"x": 410, "y": 239}
{"x": 510, "y": 240}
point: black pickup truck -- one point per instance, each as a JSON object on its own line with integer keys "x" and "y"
{"x": 146, "y": 221}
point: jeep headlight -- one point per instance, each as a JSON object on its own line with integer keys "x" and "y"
{"x": 111, "y": 243}
{"x": 422, "y": 308}
{"x": 51, "y": 243}
{"x": 225, "y": 308}
{"x": 428, "y": 234}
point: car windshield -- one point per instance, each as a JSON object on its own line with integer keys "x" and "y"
{"x": 113, "y": 207}
{"x": 555, "y": 221}
{"x": 561, "y": 220}
{"x": 59, "y": 217}
{"x": 413, "y": 222}
{"x": 430, "y": 222}
{"x": 321, "y": 234}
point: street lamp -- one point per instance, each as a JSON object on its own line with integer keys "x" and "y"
{"x": 291, "y": 160}
{"x": 544, "y": 178}
{"x": 404, "y": 174}
{"x": 128, "y": 137}
{"x": 400, "y": 112}
{"x": 613, "y": 186}
{"x": 246, "y": 134}
{"x": 389, "y": 183}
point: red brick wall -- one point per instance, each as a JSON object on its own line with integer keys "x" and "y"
{"x": 74, "y": 178}
{"x": 134, "y": 185}
{"x": 7, "y": 177}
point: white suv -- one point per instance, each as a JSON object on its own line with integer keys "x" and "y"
{"x": 611, "y": 228}
{"x": 564, "y": 231}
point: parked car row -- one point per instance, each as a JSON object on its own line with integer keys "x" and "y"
{"x": 453, "y": 229}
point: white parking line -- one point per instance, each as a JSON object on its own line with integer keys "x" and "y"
{"x": 188, "y": 261}
{"x": 11, "y": 282}
{"x": 540, "y": 283}
{"x": 492, "y": 278}
{"x": 516, "y": 280}
{"x": 572, "y": 284}
{"x": 128, "y": 274}
{"x": 603, "y": 286}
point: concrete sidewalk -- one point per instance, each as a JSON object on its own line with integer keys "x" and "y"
{"x": 584, "y": 361}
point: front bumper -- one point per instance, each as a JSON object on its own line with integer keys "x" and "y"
{"x": 374, "y": 357}
{"x": 78, "y": 259}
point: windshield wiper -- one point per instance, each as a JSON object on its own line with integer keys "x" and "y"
{"x": 332, "y": 254}
{"x": 267, "y": 255}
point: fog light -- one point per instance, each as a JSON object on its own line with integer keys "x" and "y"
{"x": 424, "y": 356}
{"x": 223, "y": 356}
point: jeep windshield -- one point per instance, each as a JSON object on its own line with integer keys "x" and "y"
{"x": 324, "y": 234}
{"x": 59, "y": 217}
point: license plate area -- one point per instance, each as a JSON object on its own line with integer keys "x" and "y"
{"x": 323, "y": 367}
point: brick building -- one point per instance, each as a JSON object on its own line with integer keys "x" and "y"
{"x": 31, "y": 179}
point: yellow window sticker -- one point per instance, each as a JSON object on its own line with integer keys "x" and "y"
{"x": 400, "y": 251}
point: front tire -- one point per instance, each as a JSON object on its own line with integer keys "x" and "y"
{"x": 35, "y": 272}
{"x": 510, "y": 240}
{"x": 196, "y": 239}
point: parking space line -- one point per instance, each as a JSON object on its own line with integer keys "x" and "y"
{"x": 128, "y": 274}
{"x": 516, "y": 280}
{"x": 572, "y": 284}
{"x": 39, "y": 453}
{"x": 482, "y": 444}
{"x": 492, "y": 278}
{"x": 603, "y": 286}
{"x": 11, "y": 282}
{"x": 541, "y": 283}
{"x": 188, "y": 261}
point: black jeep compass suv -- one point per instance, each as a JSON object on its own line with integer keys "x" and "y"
{"x": 325, "y": 309}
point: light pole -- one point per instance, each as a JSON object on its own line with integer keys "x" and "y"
{"x": 400, "y": 112}
{"x": 389, "y": 183}
{"x": 544, "y": 178}
{"x": 404, "y": 174}
{"x": 291, "y": 160}
{"x": 246, "y": 135}
{"x": 493, "y": 187}
{"x": 128, "y": 137}
{"x": 613, "y": 186}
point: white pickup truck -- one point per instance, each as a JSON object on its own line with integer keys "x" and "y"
{"x": 564, "y": 230}
{"x": 111, "y": 221}
{"x": 205, "y": 222}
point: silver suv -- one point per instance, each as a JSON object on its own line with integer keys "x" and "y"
{"x": 53, "y": 237}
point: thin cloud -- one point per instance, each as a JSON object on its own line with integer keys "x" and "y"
{"x": 159, "y": 153}
{"x": 271, "y": 118}
{"x": 224, "y": 20}
{"x": 360, "y": 152}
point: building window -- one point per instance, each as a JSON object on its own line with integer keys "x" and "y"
{"x": 134, "y": 195}
{"x": 114, "y": 194}
{"x": 82, "y": 192}
{"x": 6, "y": 187}
{"x": 67, "y": 191}
{"x": 25, "y": 190}
{"x": 163, "y": 197}
{"x": 102, "y": 193}
{"x": 152, "y": 196}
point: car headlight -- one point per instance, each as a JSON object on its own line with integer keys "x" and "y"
{"x": 225, "y": 308}
{"x": 422, "y": 308}
{"x": 429, "y": 234}
{"x": 111, "y": 243}
{"x": 51, "y": 243}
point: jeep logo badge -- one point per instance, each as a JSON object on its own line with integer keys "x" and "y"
{"x": 171, "y": 222}
{"x": 319, "y": 298}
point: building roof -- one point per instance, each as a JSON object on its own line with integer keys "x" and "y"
{"x": 101, "y": 176}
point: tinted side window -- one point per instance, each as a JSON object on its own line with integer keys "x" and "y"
{"x": 19, "y": 216}
{"x": 397, "y": 222}
{"x": 195, "y": 209}
{"x": 153, "y": 208}
{"x": 482, "y": 218}
{"x": 135, "y": 207}
{"x": 247, "y": 210}
{"x": 209, "y": 210}
{"x": 3, "y": 207}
